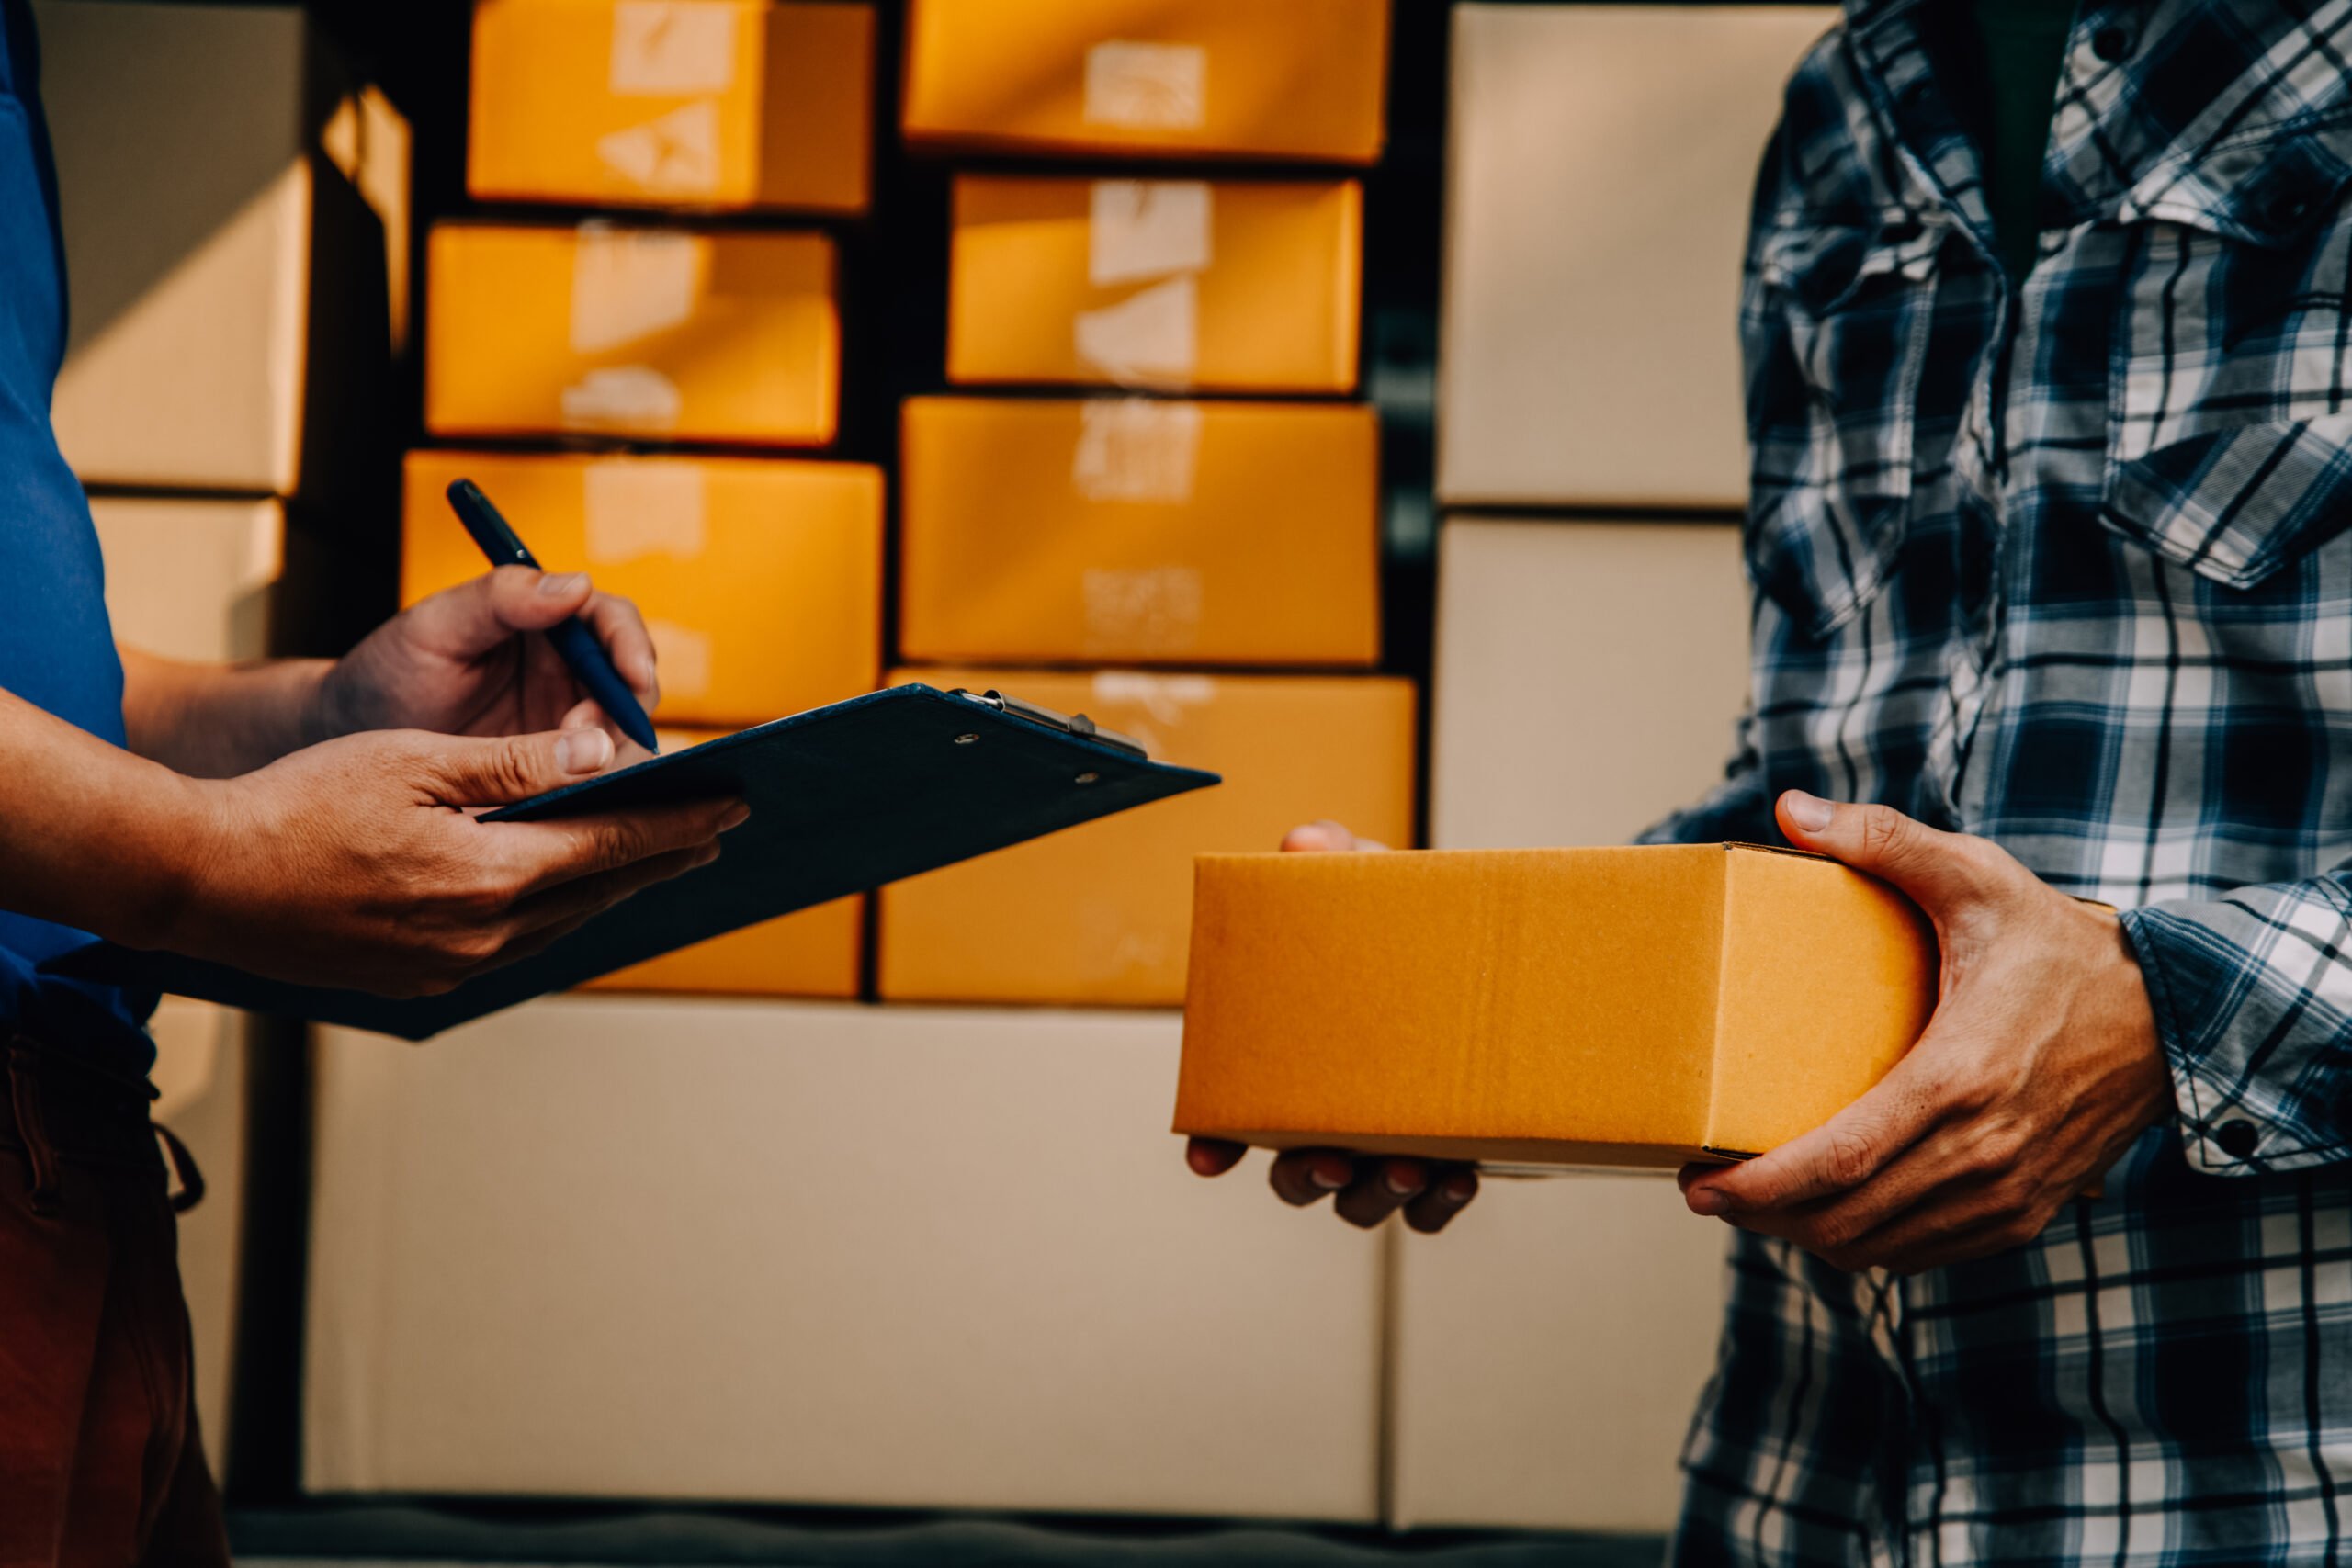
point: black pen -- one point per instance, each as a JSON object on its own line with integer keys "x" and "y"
{"x": 574, "y": 643}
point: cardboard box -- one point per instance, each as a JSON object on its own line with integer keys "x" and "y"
{"x": 1629, "y": 639}
{"x": 761, "y": 579}
{"x": 716, "y": 104}
{"x": 810, "y": 953}
{"x": 234, "y": 205}
{"x": 792, "y": 1253}
{"x": 1101, "y": 912}
{"x": 1140, "y": 530}
{"x": 1304, "y": 79}
{"x": 655, "y": 334}
{"x": 200, "y": 1077}
{"x": 191, "y": 579}
{"x": 1548, "y": 1352}
{"x": 1221, "y": 284}
{"x": 1632, "y": 641}
{"x": 1589, "y": 320}
{"x": 1641, "y": 1006}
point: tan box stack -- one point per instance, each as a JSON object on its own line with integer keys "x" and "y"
{"x": 760, "y": 576}
{"x": 234, "y": 201}
{"x": 628, "y": 1248}
{"x": 1588, "y": 365}
{"x": 237, "y": 265}
{"x": 1116, "y": 546}
{"x": 190, "y": 579}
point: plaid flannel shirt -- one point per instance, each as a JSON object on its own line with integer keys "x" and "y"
{"x": 2067, "y": 566}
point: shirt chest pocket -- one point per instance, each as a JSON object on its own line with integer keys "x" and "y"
{"x": 1838, "y": 324}
{"x": 2230, "y": 423}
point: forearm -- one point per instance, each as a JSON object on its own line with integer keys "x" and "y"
{"x": 91, "y": 836}
{"x": 216, "y": 721}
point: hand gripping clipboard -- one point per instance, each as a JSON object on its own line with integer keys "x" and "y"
{"x": 843, "y": 799}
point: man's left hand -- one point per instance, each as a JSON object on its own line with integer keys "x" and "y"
{"x": 471, "y": 662}
{"x": 2041, "y": 1065}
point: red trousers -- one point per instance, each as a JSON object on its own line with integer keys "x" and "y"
{"x": 100, "y": 1466}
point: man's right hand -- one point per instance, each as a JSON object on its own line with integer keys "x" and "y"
{"x": 358, "y": 862}
{"x": 1369, "y": 1187}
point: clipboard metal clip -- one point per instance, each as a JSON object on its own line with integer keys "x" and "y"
{"x": 1078, "y": 725}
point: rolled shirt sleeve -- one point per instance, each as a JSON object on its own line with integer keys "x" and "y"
{"x": 1738, "y": 810}
{"x": 2252, "y": 1000}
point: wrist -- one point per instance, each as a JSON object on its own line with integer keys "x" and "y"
{"x": 330, "y": 706}
{"x": 187, "y": 823}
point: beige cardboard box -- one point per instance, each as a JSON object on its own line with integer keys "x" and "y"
{"x": 1101, "y": 915}
{"x": 1301, "y": 79}
{"x": 1642, "y": 1005}
{"x": 819, "y": 1254}
{"x": 1600, "y": 162}
{"x": 647, "y": 334}
{"x": 200, "y": 1066}
{"x": 1588, "y": 677}
{"x": 760, "y": 579}
{"x": 1222, "y": 286}
{"x": 235, "y": 210}
{"x": 1140, "y": 530}
{"x": 191, "y": 578}
{"x": 1550, "y": 1350}
{"x": 713, "y": 104}
{"x": 1629, "y": 642}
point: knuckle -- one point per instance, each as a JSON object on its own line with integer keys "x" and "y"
{"x": 1886, "y": 831}
{"x": 1832, "y": 1231}
{"x": 1997, "y": 1151}
{"x": 2012, "y": 1198}
{"x": 1851, "y": 1157}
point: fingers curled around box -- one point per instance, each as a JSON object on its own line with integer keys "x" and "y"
{"x": 1451, "y": 1189}
{"x": 1381, "y": 1188}
{"x": 1301, "y": 1176}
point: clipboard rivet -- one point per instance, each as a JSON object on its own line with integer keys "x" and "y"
{"x": 966, "y": 739}
{"x": 1088, "y": 778}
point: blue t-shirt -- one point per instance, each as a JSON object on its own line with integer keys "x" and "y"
{"x": 56, "y": 649}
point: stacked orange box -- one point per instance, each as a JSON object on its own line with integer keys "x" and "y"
{"x": 1181, "y": 539}
{"x": 760, "y": 576}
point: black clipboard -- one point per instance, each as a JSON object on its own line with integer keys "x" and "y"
{"x": 843, "y": 799}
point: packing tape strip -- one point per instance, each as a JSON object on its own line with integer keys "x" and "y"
{"x": 1160, "y": 698}
{"x": 685, "y": 656}
{"x": 637, "y": 508}
{"x": 628, "y": 283}
{"x": 1146, "y": 86}
{"x": 1139, "y": 229}
{"x": 1137, "y": 449}
{"x": 1150, "y": 339}
{"x": 674, "y": 156}
{"x": 628, "y": 396}
{"x": 1141, "y": 611}
{"x": 669, "y": 48}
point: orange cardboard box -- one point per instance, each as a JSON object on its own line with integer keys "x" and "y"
{"x": 759, "y": 578}
{"x": 1223, "y": 284}
{"x": 716, "y": 104}
{"x": 1129, "y": 530}
{"x": 1099, "y": 914}
{"x": 653, "y": 334}
{"x": 1644, "y": 1005}
{"x": 1301, "y": 79}
{"x": 810, "y": 952}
